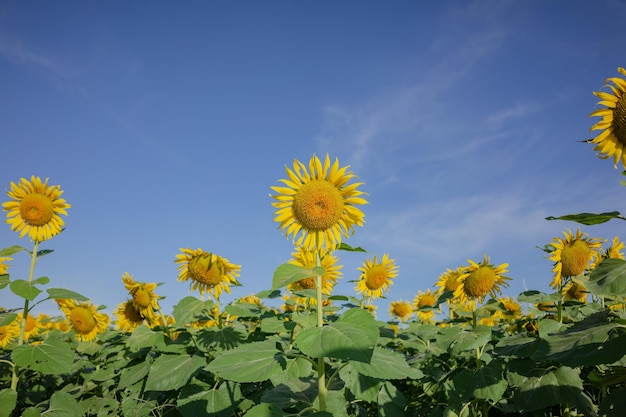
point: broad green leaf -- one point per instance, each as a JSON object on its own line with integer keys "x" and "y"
{"x": 189, "y": 308}
{"x": 608, "y": 278}
{"x": 385, "y": 364}
{"x": 276, "y": 325}
{"x": 133, "y": 374}
{"x": 519, "y": 345}
{"x": 52, "y": 356}
{"x": 143, "y": 337}
{"x": 471, "y": 339}
{"x": 41, "y": 281}
{"x": 589, "y": 218}
{"x": 391, "y": 401}
{"x": 135, "y": 406}
{"x": 363, "y": 387}
{"x": 63, "y": 404}
{"x": 269, "y": 294}
{"x": 292, "y": 392}
{"x": 336, "y": 405}
{"x": 485, "y": 383}
{"x": 614, "y": 404}
{"x": 6, "y": 318}
{"x": 285, "y": 274}
{"x": 65, "y": 294}
{"x": 199, "y": 399}
{"x": 4, "y": 280}
{"x": 251, "y": 362}
{"x": 351, "y": 337}
{"x": 8, "y": 399}
{"x": 243, "y": 310}
{"x": 100, "y": 407}
{"x": 31, "y": 412}
{"x": 535, "y": 297}
{"x": 561, "y": 386}
{"x": 266, "y": 410}
{"x": 294, "y": 369}
{"x": 169, "y": 372}
{"x": 224, "y": 338}
{"x": 44, "y": 252}
{"x": 11, "y": 250}
{"x": 24, "y": 289}
{"x": 346, "y": 247}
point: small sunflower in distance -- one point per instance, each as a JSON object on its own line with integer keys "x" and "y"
{"x": 307, "y": 259}
{"x": 128, "y": 317}
{"x": 615, "y": 251}
{"x": 611, "y": 140}
{"x": 209, "y": 273}
{"x": 480, "y": 279}
{"x": 4, "y": 267}
{"x": 401, "y": 309}
{"x": 376, "y": 277}
{"x": 317, "y": 207}
{"x": 425, "y": 299}
{"x": 572, "y": 255}
{"x": 35, "y": 209}
{"x": 145, "y": 300}
{"x": 9, "y": 333}
{"x": 84, "y": 319}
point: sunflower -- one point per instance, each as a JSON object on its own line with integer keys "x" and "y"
{"x": 611, "y": 141}
{"x": 615, "y": 251}
{"x": 425, "y": 299}
{"x": 209, "y": 272}
{"x": 4, "y": 267}
{"x": 84, "y": 319}
{"x": 9, "y": 333}
{"x": 145, "y": 301}
{"x": 512, "y": 309}
{"x": 401, "y": 309}
{"x": 251, "y": 299}
{"x": 449, "y": 280}
{"x": 307, "y": 259}
{"x": 317, "y": 207}
{"x": 32, "y": 325}
{"x": 376, "y": 277}
{"x": 574, "y": 290}
{"x": 128, "y": 317}
{"x": 478, "y": 280}
{"x": 572, "y": 255}
{"x": 36, "y": 209}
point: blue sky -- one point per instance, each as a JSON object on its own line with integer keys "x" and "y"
{"x": 167, "y": 123}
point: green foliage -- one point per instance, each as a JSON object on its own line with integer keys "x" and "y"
{"x": 589, "y": 219}
{"x": 286, "y": 274}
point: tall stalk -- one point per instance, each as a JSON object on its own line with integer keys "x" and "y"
{"x": 321, "y": 367}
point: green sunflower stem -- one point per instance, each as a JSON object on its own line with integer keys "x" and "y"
{"x": 321, "y": 367}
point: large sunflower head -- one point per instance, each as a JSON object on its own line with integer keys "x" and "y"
{"x": 146, "y": 302}
{"x": 308, "y": 259}
{"x": 316, "y": 207}
{"x": 4, "y": 267}
{"x": 35, "y": 209}
{"x": 611, "y": 140}
{"x": 128, "y": 317}
{"x": 425, "y": 299}
{"x": 401, "y": 309}
{"x": 84, "y": 319}
{"x": 208, "y": 272}
{"x": 376, "y": 277}
{"x": 572, "y": 255}
{"x": 481, "y": 279}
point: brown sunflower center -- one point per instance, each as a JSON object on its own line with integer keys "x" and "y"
{"x": 480, "y": 281}
{"x": 4, "y": 332}
{"x": 426, "y": 301}
{"x": 82, "y": 320}
{"x": 452, "y": 282}
{"x": 307, "y": 283}
{"x": 575, "y": 258}
{"x": 619, "y": 119}
{"x": 376, "y": 277}
{"x": 36, "y": 209}
{"x": 142, "y": 297}
{"x": 203, "y": 269}
{"x": 318, "y": 205}
{"x": 132, "y": 314}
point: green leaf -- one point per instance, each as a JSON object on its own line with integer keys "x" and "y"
{"x": 614, "y": 404}
{"x": 169, "y": 372}
{"x": 24, "y": 289}
{"x": 266, "y": 410}
{"x": 225, "y": 338}
{"x": 199, "y": 399}
{"x": 41, "y": 280}
{"x": 294, "y": 369}
{"x": 385, "y": 364}
{"x": 63, "y": 404}
{"x": 11, "y": 250}
{"x": 31, "y": 412}
{"x": 52, "y": 356}
{"x": 351, "y": 337}
{"x": 285, "y": 274}
{"x": 346, "y": 247}
{"x": 536, "y": 297}
{"x": 471, "y": 339}
{"x": 251, "y": 362}
{"x": 518, "y": 345}
{"x": 336, "y": 405}
{"x": 589, "y": 219}
{"x": 62, "y": 293}
{"x": 391, "y": 401}
{"x": 485, "y": 383}
{"x": 243, "y": 310}
{"x": 608, "y": 278}
{"x": 189, "y": 309}
{"x": 363, "y": 387}
{"x": 143, "y": 337}
{"x": 276, "y": 325}
{"x": 133, "y": 374}
{"x": 4, "y": 280}
{"x": 561, "y": 386}
{"x": 44, "y": 252}
{"x": 8, "y": 399}
{"x": 6, "y": 318}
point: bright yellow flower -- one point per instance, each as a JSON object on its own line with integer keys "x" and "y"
{"x": 401, "y": 309}
{"x": 449, "y": 280}
{"x": 425, "y": 299}
{"x": 145, "y": 301}
{"x": 251, "y": 299}
{"x": 317, "y": 207}
{"x": 32, "y": 326}
{"x": 4, "y": 267}
{"x": 512, "y": 309}
{"x": 572, "y": 255}
{"x": 615, "y": 251}
{"x": 128, "y": 317}
{"x": 611, "y": 140}
{"x": 478, "y": 280}
{"x": 35, "y": 209}
{"x": 376, "y": 277}
{"x": 84, "y": 319}
{"x": 209, "y": 273}
{"x": 307, "y": 259}
{"x": 9, "y": 333}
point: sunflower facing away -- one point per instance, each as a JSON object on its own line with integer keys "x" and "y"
{"x": 572, "y": 255}
{"x": 307, "y": 259}
{"x": 128, "y": 317}
{"x": 209, "y": 273}
{"x": 611, "y": 140}
{"x": 146, "y": 302}
{"x": 480, "y": 279}
{"x": 35, "y": 209}
{"x": 376, "y": 277}
{"x": 425, "y": 299}
{"x": 84, "y": 319}
{"x": 316, "y": 207}
{"x": 402, "y": 310}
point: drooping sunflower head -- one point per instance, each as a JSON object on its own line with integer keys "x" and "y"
{"x": 481, "y": 279}
{"x": 208, "y": 272}
{"x": 4, "y": 266}
{"x": 145, "y": 301}
{"x": 376, "y": 277}
{"x": 128, "y": 317}
{"x": 401, "y": 309}
{"x": 512, "y": 309}
{"x": 425, "y": 299}
{"x": 572, "y": 255}
{"x": 611, "y": 140}
{"x": 574, "y": 290}
{"x": 316, "y": 207}
{"x": 35, "y": 209}
{"x": 84, "y": 319}
{"x": 308, "y": 259}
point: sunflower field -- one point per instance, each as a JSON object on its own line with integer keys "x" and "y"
{"x": 461, "y": 349}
